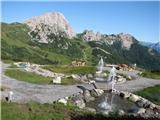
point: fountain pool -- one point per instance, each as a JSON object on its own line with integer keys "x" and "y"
{"x": 112, "y": 102}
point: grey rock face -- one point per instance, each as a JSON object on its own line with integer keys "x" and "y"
{"x": 125, "y": 39}
{"x": 89, "y": 35}
{"x": 49, "y": 24}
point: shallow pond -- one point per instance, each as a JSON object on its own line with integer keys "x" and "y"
{"x": 112, "y": 102}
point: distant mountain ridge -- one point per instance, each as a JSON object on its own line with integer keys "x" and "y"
{"x": 126, "y": 39}
{"x": 50, "y": 39}
{"x": 155, "y": 46}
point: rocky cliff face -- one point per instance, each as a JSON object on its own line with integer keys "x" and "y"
{"x": 89, "y": 35}
{"x": 49, "y": 24}
{"x": 126, "y": 39}
{"x": 47, "y": 27}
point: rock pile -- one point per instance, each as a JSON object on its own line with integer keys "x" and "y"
{"x": 146, "y": 108}
{"x": 124, "y": 67}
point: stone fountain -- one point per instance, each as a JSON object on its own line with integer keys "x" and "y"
{"x": 111, "y": 100}
{"x": 106, "y": 104}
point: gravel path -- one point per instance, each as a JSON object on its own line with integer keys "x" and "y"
{"x": 24, "y": 92}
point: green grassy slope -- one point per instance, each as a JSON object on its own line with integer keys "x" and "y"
{"x": 71, "y": 69}
{"x": 137, "y": 54}
{"x": 37, "y": 111}
{"x": 16, "y": 46}
{"x": 151, "y": 93}
{"x": 151, "y": 74}
{"x": 28, "y": 77}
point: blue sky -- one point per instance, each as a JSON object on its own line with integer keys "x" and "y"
{"x": 141, "y": 19}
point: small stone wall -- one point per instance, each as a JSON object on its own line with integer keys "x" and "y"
{"x": 145, "y": 106}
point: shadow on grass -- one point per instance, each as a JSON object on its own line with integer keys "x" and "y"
{"x": 102, "y": 117}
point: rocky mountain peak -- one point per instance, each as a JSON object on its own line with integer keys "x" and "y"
{"x": 90, "y": 35}
{"x": 49, "y": 23}
{"x": 126, "y": 39}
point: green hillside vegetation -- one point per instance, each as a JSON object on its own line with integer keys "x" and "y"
{"x": 18, "y": 46}
{"x": 151, "y": 93}
{"x": 37, "y": 79}
{"x": 71, "y": 69}
{"x": 70, "y": 81}
{"x": 137, "y": 54}
{"x": 151, "y": 74}
{"x": 28, "y": 76}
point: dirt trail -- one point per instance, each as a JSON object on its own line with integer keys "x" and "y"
{"x": 24, "y": 92}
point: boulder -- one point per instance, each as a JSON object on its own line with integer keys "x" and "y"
{"x": 76, "y": 77}
{"x": 121, "y": 113}
{"x": 90, "y": 76}
{"x": 90, "y": 109}
{"x": 121, "y": 94}
{"x": 10, "y": 96}
{"x": 140, "y": 103}
{"x": 93, "y": 83}
{"x": 80, "y": 103}
{"x": 141, "y": 111}
{"x": 57, "y": 80}
{"x": 84, "y": 77}
{"x": 96, "y": 92}
{"x": 100, "y": 74}
{"x": 63, "y": 100}
{"x": 129, "y": 77}
{"x": 125, "y": 94}
{"x": 87, "y": 96}
{"x": 134, "y": 98}
{"x": 105, "y": 112}
{"x": 152, "y": 106}
{"x": 86, "y": 93}
{"x": 143, "y": 103}
{"x": 121, "y": 79}
{"x": 118, "y": 76}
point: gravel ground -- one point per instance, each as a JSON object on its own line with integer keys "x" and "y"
{"x": 24, "y": 92}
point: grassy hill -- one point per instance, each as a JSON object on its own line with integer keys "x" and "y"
{"x": 138, "y": 54}
{"x": 18, "y": 46}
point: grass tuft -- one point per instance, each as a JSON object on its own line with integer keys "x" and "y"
{"x": 27, "y": 76}
{"x": 71, "y": 69}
